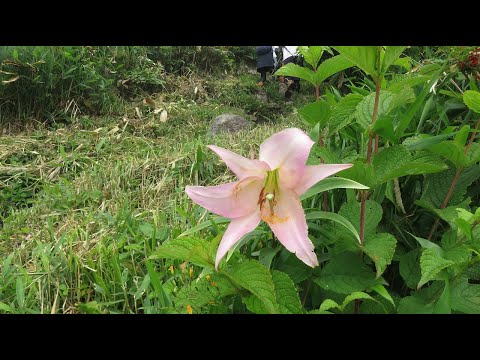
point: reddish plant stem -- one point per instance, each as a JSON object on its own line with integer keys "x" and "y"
{"x": 455, "y": 180}
{"x": 472, "y": 137}
{"x": 364, "y": 195}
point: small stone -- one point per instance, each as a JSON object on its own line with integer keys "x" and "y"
{"x": 229, "y": 123}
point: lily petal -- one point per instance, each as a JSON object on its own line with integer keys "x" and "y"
{"x": 241, "y": 166}
{"x": 230, "y": 200}
{"x": 287, "y": 150}
{"x": 237, "y": 228}
{"x": 314, "y": 173}
{"x": 290, "y": 227}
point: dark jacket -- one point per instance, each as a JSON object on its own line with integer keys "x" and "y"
{"x": 264, "y": 57}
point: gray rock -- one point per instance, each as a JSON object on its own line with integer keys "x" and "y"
{"x": 229, "y": 123}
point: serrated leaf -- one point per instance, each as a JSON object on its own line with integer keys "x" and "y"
{"x": 196, "y": 251}
{"x": 425, "y": 141}
{"x": 361, "y": 172}
{"x": 311, "y": 54}
{"x": 471, "y": 98}
{"x": 344, "y": 112}
{"x": 373, "y": 215}
{"x": 346, "y": 273}
{"x": 295, "y": 70}
{"x": 332, "y": 66}
{"x": 380, "y": 248}
{"x": 317, "y": 112}
{"x": 358, "y": 295}
{"x": 422, "y": 301}
{"x": 473, "y": 155}
{"x": 365, "y": 57}
{"x": 330, "y": 184}
{"x": 443, "y": 304}
{"x": 256, "y": 278}
{"x": 396, "y": 161}
{"x": 328, "y": 304}
{"x": 333, "y": 217}
{"x": 406, "y": 81}
{"x": 364, "y": 110}
{"x": 431, "y": 263}
{"x": 384, "y": 127}
{"x": 436, "y": 186}
{"x": 465, "y": 297}
{"x": 392, "y": 53}
{"x": 450, "y": 150}
{"x": 286, "y": 294}
{"x": 410, "y": 268}
{"x": 203, "y": 292}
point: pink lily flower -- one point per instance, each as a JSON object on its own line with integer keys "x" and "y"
{"x": 268, "y": 189}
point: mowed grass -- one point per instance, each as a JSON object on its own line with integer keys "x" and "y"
{"x": 84, "y": 205}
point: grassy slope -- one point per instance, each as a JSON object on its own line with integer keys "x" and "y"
{"x": 84, "y": 205}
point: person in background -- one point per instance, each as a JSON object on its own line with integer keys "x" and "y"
{"x": 290, "y": 55}
{"x": 265, "y": 62}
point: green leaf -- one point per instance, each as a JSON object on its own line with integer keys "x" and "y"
{"x": 380, "y": 248}
{"x": 401, "y": 82}
{"x": 332, "y": 66}
{"x": 364, "y": 111}
{"x": 462, "y": 135}
{"x": 195, "y": 250}
{"x": 333, "y": 217}
{"x": 425, "y": 141}
{"x": 422, "y": 301}
{"x": 396, "y": 161}
{"x": 450, "y": 150}
{"x": 344, "y": 112}
{"x": 202, "y": 292}
{"x": 311, "y": 54}
{"x": 443, "y": 305}
{"x": 358, "y": 295}
{"x": 373, "y": 215}
{"x": 257, "y": 279}
{"x": 420, "y": 100}
{"x": 314, "y": 113}
{"x": 293, "y": 267}
{"x": 380, "y": 289}
{"x": 204, "y": 225}
{"x": 365, "y": 57}
{"x": 384, "y": 127}
{"x": 465, "y": 297}
{"x": 427, "y": 244}
{"x": 415, "y": 305}
{"x": 346, "y": 273}
{"x": 286, "y": 294}
{"x": 361, "y": 172}
{"x": 328, "y": 304}
{"x": 295, "y": 70}
{"x": 4, "y": 307}
{"x": 330, "y": 184}
{"x": 20, "y": 291}
{"x": 404, "y": 62}
{"x": 436, "y": 186}
{"x": 431, "y": 263}
{"x": 473, "y": 155}
{"x": 410, "y": 268}
{"x": 471, "y": 98}
{"x": 392, "y": 53}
